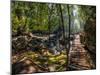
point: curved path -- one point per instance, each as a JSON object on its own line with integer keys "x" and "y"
{"x": 79, "y": 58}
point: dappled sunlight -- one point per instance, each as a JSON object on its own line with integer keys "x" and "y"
{"x": 49, "y": 37}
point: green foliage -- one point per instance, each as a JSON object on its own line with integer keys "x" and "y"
{"x": 89, "y": 27}
{"x": 33, "y": 15}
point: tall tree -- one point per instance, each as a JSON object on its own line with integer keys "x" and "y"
{"x": 63, "y": 30}
{"x": 68, "y": 8}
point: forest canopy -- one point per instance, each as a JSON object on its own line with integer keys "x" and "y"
{"x": 42, "y": 16}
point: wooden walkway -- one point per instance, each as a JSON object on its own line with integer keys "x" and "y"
{"x": 79, "y": 58}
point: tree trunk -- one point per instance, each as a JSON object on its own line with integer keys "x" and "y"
{"x": 63, "y": 30}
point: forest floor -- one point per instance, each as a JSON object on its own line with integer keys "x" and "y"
{"x": 44, "y": 61}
